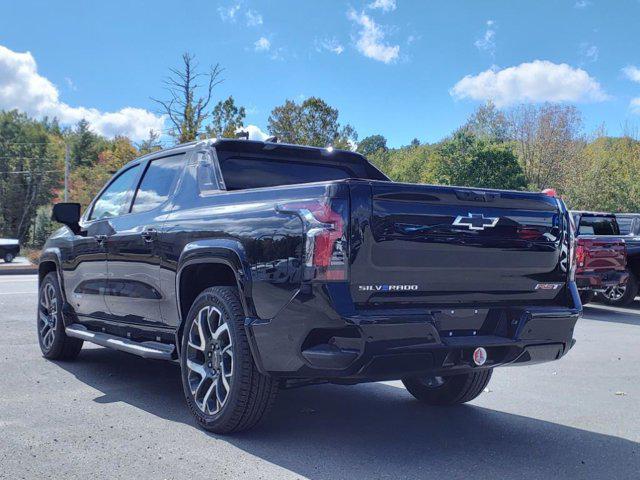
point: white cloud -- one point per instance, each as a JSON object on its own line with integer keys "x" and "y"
{"x": 329, "y": 44}
{"x": 632, "y": 73}
{"x": 537, "y": 81}
{"x": 370, "y": 41}
{"x": 228, "y": 13}
{"x": 262, "y": 45}
{"x": 70, "y": 84}
{"x": 384, "y": 5}
{"x": 581, "y": 4}
{"x": 254, "y": 132}
{"x": 589, "y": 52}
{"x": 253, "y": 18}
{"x": 24, "y": 89}
{"x": 487, "y": 42}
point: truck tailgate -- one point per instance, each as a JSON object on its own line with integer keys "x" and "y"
{"x": 422, "y": 244}
{"x": 601, "y": 253}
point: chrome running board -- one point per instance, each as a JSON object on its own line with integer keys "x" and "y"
{"x": 156, "y": 350}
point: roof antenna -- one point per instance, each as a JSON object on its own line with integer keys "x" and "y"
{"x": 242, "y": 134}
{"x": 272, "y": 139}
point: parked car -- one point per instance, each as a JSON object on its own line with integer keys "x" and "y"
{"x": 629, "y": 225}
{"x": 9, "y": 249}
{"x": 614, "y": 229}
{"x": 601, "y": 255}
{"x": 260, "y": 265}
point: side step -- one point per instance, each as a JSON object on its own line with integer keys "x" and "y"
{"x": 156, "y": 350}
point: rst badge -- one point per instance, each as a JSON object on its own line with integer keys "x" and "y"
{"x": 387, "y": 288}
{"x": 548, "y": 286}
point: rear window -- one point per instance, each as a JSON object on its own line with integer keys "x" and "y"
{"x": 251, "y": 172}
{"x": 598, "y": 226}
{"x": 626, "y": 224}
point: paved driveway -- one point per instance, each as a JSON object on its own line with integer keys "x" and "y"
{"x": 112, "y": 415}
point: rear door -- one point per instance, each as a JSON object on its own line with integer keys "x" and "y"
{"x": 453, "y": 246}
{"x": 134, "y": 292}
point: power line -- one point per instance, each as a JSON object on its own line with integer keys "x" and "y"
{"x": 31, "y": 172}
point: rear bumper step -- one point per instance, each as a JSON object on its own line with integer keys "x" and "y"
{"x": 155, "y": 350}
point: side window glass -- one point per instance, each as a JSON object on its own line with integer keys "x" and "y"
{"x": 115, "y": 199}
{"x": 157, "y": 183}
{"x": 206, "y": 175}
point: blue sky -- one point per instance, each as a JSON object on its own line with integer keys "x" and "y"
{"x": 391, "y": 67}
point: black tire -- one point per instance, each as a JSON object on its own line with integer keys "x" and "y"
{"x": 448, "y": 390}
{"x": 54, "y": 342}
{"x": 586, "y": 296}
{"x": 630, "y": 293}
{"x": 250, "y": 394}
{"x": 9, "y": 257}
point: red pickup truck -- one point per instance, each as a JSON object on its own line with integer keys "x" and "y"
{"x": 601, "y": 255}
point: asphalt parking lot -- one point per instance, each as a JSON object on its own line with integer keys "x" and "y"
{"x": 112, "y": 415}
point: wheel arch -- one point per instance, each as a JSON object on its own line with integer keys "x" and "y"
{"x": 211, "y": 263}
{"x": 50, "y": 262}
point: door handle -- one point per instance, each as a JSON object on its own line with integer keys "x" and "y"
{"x": 149, "y": 234}
{"x": 100, "y": 239}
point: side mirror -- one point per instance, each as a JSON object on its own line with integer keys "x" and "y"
{"x": 68, "y": 214}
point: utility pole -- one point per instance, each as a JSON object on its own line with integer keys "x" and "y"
{"x": 66, "y": 172}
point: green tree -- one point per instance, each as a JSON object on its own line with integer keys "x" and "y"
{"x": 42, "y": 226}
{"x": 488, "y": 123}
{"x": 150, "y": 144}
{"x": 84, "y": 145}
{"x": 187, "y": 107}
{"x": 371, "y": 144}
{"x": 548, "y": 142}
{"x": 465, "y": 160}
{"x": 606, "y": 176}
{"x": 226, "y": 119}
{"x": 29, "y": 171}
{"x": 409, "y": 164}
{"x": 312, "y": 122}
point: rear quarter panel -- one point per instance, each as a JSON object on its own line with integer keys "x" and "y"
{"x": 269, "y": 243}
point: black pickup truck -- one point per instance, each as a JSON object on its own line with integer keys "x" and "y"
{"x": 9, "y": 249}
{"x": 260, "y": 265}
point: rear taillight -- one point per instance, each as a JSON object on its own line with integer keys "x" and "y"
{"x": 325, "y": 222}
{"x": 580, "y": 255}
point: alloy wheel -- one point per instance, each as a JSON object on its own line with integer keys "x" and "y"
{"x": 615, "y": 293}
{"x": 209, "y": 360}
{"x": 48, "y": 315}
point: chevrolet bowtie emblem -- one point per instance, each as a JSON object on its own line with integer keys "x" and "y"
{"x": 475, "y": 221}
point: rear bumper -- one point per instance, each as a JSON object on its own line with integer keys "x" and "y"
{"x": 307, "y": 342}
{"x": 600, "y": 281}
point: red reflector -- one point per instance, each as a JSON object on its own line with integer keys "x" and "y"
{"x": 479, "y": 356}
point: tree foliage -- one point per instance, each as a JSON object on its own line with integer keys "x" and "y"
{"x": 466, "y": 160}
{"x": 311, "y": 122}
{"x": 29, "y": 171}
{"x": 86, "y": 181}
{"x": 371, "y": 144}
{"x": 226, "y": 119}
{"x": 548, "y": 143}
{"x": 488, "y": 123}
